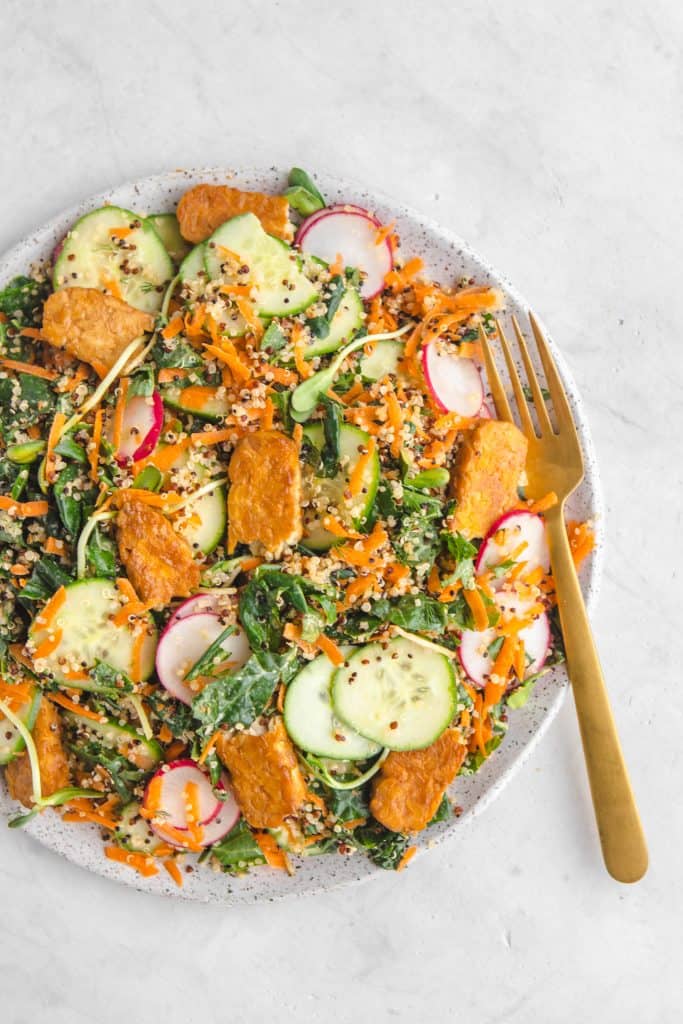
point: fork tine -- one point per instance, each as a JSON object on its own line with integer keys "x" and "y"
{"x": 555, "y": 386}
{"x": 495, "y": 383}
{"x": 541, "y": 408}
{"x": 524, "y": 414}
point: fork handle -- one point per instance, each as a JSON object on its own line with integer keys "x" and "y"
{"x": 621, "y": 833}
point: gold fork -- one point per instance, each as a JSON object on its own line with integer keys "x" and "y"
{"x": 555, "y": 463}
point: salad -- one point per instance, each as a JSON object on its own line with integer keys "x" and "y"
{"x": 269, "y": 578}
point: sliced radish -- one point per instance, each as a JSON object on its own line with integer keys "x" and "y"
{"x": 143, "y": 420}
{"x": 505, "y": 537}
{"x": 474, "y": 645}
{"x": 207, "y": 601}
{"x": 336, "y": 208}
{"x": 454, "y": 381}
{"x": 351, "y": 232}
{"x": 171, "y": 803}
{"x": 182, "y": 644}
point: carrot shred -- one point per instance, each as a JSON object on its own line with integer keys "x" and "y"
{"x": 48, "y": 646}
{"x": 475, "y": 603}
{"x": 174, "y": 871}
{"x": 337, "y": 266}
{"x": 396, "y": 423}
{"x": 543, "y": 504}
{"x": 280, "y": 375}
{"x": 335, "y": 527}
{"x": 581, "y": 540}
{"x": 358, "y": 472}
{"x": 406, "y": 858}
{"x": 119, "y": 410}
{"x": 76, "y": 709}
{"x": 248, "y": 312}
{"x": 28, "y": 368}
{"x": 303, "y": 368}
{"x": 80, "y": 814}
{"x": 111, "y": 285}
{"x": 329, "y": 647}
{"x": 383, "y": 233}
{"x": 94, "y": 453}
{"x": 292, "y": 632}
{"x": 208, "y": 747}
{"x": 173, "y": 328}
{"x": 120, "y": 232}
{"x": 174, "y": 750}
{"x": 170, "y": 373}
{"x": 210, "y": 437}
{"x": 362, "y": 553}
{"x": 140, "y": 862}
{"x": 52, "y": 440}
{"x": 268, "y": 415}
{"x": 23, "y": 509}
{"x": 498, "y": 677}
{"x": 227, "y": 353}
{"x": 136, "y": 654}
{"x": 192, "y": 812}
{"x": 236, "y": 289}
{"x": 51, "y": 609}
{"x": 275, "y": 857}
{"x": 394, "y": 573}
{"x": 357, "y": 586}
{"x": 433, "y": 581}
{"x": 19, "y": 570}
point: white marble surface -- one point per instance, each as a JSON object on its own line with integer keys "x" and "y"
{"x": 550, "y": 136}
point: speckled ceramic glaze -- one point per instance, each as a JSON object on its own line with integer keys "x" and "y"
{"x": 448, "y": 259}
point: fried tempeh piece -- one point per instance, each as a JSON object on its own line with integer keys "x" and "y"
{"x": 409, "y": 786}
{"x": 54, "y": 767}
{"x": 264, "y": 503}
{"x": 205, "y": 207}
{"x": 91, "y": 325}
{"x": 158, "y": 562}
{"x": 485, "y": 476}
{"x": 265, "y": 774}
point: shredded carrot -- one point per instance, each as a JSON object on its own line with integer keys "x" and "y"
{"x": 15, "y": 694}
{"x": 197, "y": 396}
{"x": 475, "y": 603}
{"x": 406, "y": 858}
{"x": 120, "y": 232}
{"x": 268, "y": 414}
{"x": 78, "y": 811}
{"x": 303, "y": 368}
{"x": 71, "y": 705}
{"x": 94, "y": 454}
{"x": 19, "y": 570}
{"x": 165, "y": 734}
{"x": 174, "y": 750}
{"x": 395, "y": 573}
{"x": 519, "y": 662}
{"x": 334, "y": 526}
{"x": 126, "y": 588}
{"x": 298, "y": 434}
{"x": 136, "y": 655}
{"x": 174, "y": 871}
{"x": 111, "y": 285}
{"x": 359, "y": 585}
{"x": 208, "y": 747}
{"x": 210, "y": 437}
{"x": 147, "y": 497}
{"x": 396, "y": 422}
{"x": 397, "y": 280}
{"x": 23, "y": 509}
{"x": 434, "y": 582}
{"x": 362, "y": 553}
{"x": 275, "y": 857}
{"x": 281, "y": 692}
{"x": 249, "y": 563}
{"x": 28, "y": 368}
{"x": 48, "y": 646}
{"x": 140, "y": 862}
{"x": 166, "y": 457}
{"x": 337, "y": 266}
{"x": 280, "y": 375}
{"x": 543, "y": 504}
{"x": 170, "y": 373}
{"x": 121, "y": 617}
{"x": 192, "y": 812}
{"x": 52, "y": 440}
{"x": 448, "y": 421}
{"x": 71, "y": 383}
{"x": 176, "y": 835}
{"x": 248, "y": 312}
{"x": 173, "y": 328}
{"x": 581, "y": 540}
{"x": 51, "y": 609}
{"x": 119, "y": 410}
{"x": 292, "y": 632}
{"x": 358, "y": 473}
{"x": 99, "y": 368}
{"x": 235, "y": 289}
{"x": 329, "y": 647}
{"x": 383, "y": 233}
{"x": 227, "y": 353}
{"x": 500, "y": 671}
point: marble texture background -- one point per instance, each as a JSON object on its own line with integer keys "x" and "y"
{"x": 550, "y": 136}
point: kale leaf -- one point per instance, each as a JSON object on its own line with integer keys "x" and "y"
{"x": 384, "y": 848}
{"x": 266, "y": 598}
{"x": 332, "y": 421}
{"x": 239, "y": 697}
{"x": 238, "y": 850}
{"x": 101, "y": 554}
{"x": 47, "y": 576}
{"x": 21, "y": 299}
{"x": 416, "y": 613}
{"x": 125, "y": 777}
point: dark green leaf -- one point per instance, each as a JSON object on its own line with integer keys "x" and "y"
{"x": 240, "y": 697}
{"x": 417, "y": 541}
{"x": 212, "y": 656}
{"x": 69, "y": 499}
{"x": 175, "y": 354}
{"x": 443, "y": 811}
{"x": 319, "y": 326}
{"x": 70, "y": 449}
{"x": 415, "y": 613}
{"x": 274, "y": 338}
{"x": 238, "y": 850}
{"x": 178, "y": 717}
{"x": 21, "y": 299}
{"x": 141, "y": 383}
{"x": 384, "y": 848}
{"x": 125, "y": 777}
{"x": 19, "y": 485}
{"x": 346, "y": 804}
{"x": 101, "y": 554}
{"x": 333, "y": 418}
{"x": 47, "y": 576}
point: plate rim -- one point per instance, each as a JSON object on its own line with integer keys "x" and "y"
{"x": 456, "y": 827}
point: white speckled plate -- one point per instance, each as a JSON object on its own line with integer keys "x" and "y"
{"x": 448, "y": 258}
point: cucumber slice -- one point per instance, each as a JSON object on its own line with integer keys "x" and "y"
{"x": 92, "y": 256}
{"x": 202, "y": 402}
{"x": 400, "y": 694}
{"x": 383, "y": 360}
{"x": 133, "y": 832}
{"x": 209, "y": 531}
{"x": 193, "y": 264}
{"x": 345, "y": 323}
{"x": 310, "y": 720}
{"x": 166, "y": 226}
{"x": 11, "y": 742}
{"x": 88, "y": 635}
{"x": 126, "y": 740}
{"x": 281, "y": 287}
{"x": 330, "y": 490}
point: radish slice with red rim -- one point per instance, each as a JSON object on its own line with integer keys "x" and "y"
{"x": 453, "y": 380}
{"x": 213, "y": 601}
{"x": 537, "y": 637}
{"x": 171, "y": 804}
{"x": 143, "y": 420}
{"x": 352, "y": 233}
{"x": 182, "y": 644}
{"x": 335, "y": 208}
{"x": 506, "y": 535}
